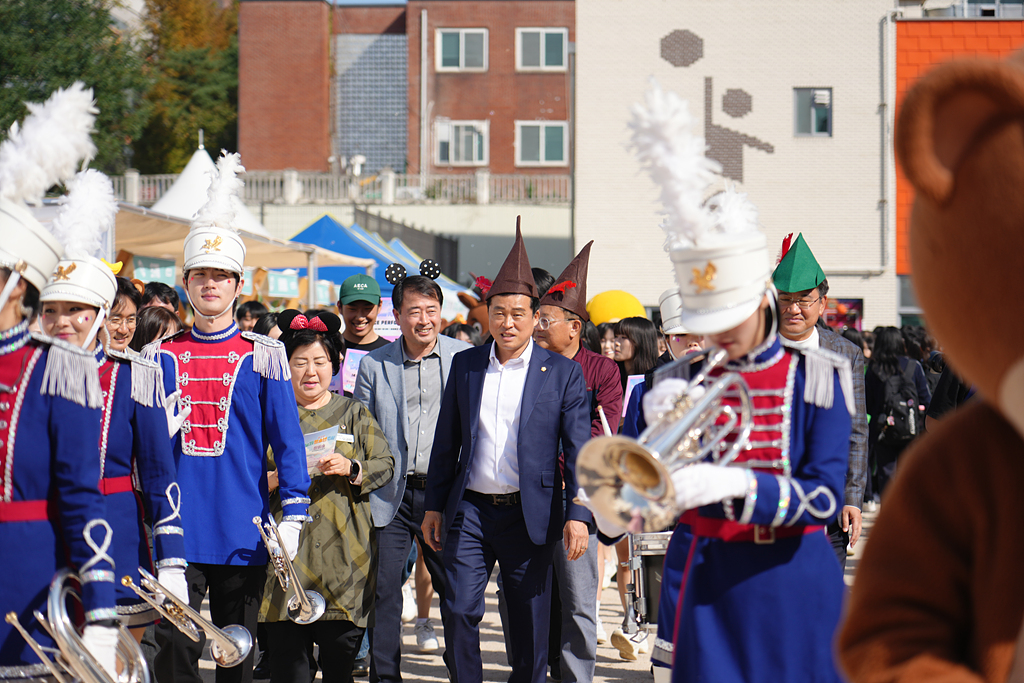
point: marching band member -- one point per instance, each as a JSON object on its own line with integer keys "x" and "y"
{"x": 50, "y": 507}
{"x": 235, "y": 401}
{"x": 133, "y": 436}
{"x": 760, "y": 591}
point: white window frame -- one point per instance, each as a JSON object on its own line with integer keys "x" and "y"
{"x": 462, "y": 50}
{"x": 440, "y": 123}
{"x": 543, "y": 30}
{"x": 564, "y": 125}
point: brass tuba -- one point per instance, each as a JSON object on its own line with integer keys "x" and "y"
{"x": 73, "y": 660}
{"x": 629, "y": 481}
{"x": 304, "y": 607}
{"x": 230, "y": 645}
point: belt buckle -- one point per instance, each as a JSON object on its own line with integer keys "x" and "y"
{"x": 764, "y": 540}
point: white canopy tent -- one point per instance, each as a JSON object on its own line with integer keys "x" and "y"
{"x": 145, "y": 232}
{"x": 188, "y": 194}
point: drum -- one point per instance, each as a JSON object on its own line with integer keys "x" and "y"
{"x": 646, "y": 559}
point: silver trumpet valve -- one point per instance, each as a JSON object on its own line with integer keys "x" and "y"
{"x": 230, "y": 645}
{"x": 304, "y": 606}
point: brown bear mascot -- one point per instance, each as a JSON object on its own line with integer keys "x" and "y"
{"x": 939, "y": 595}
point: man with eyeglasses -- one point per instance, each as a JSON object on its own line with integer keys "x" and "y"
{"x": 123, "y": 316}
{"x": 803, "y": 287}
{"x": 563, "y": 310}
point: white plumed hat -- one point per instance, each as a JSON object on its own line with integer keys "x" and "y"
{"x": 87, "y": 212}
{"x": 719, "y": 253}
{"x": 213, "y": 241}
{"x": 45, "y": 150}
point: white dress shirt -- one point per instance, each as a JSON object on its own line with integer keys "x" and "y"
{"x": 495, "y": 466}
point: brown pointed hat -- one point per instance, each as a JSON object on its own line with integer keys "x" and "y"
{"x": 570, "y": 289}
{"x": 515, "y": 276}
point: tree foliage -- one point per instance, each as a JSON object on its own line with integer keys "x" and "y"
{"x": 192, "y": 54}
{"x": 47, "y": 44}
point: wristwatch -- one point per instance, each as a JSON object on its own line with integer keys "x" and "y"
{"x": 354, "y": 470}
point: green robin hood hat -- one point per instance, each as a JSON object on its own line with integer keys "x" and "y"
{"x": 798, "y": 270}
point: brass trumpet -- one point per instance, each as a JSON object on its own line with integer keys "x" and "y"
{"x": 73, "y": 659}
{"x": 630, "y": 481}
{"x": 230, "y": 645}
{"x": 304, "y": 607}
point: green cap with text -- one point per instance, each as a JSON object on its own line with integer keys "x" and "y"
{"x": 359, "y": 288}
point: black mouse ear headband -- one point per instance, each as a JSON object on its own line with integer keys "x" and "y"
{"x": 395, "y": 272}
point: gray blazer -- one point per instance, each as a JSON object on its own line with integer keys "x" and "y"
{"x": 381, "y": 388}
{"x": 857, "y": 470}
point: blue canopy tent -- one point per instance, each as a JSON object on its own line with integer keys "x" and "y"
{"x": 402, "y": 249}
{"x": 330, "y": 234}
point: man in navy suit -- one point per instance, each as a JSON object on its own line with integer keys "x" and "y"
{"x": 495, "y": 477}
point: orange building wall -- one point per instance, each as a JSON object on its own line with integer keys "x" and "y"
{"x": 921, "y": 44}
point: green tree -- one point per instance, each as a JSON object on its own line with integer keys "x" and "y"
{"x": 47, "y": 44}
{"x": 193, "y": 59}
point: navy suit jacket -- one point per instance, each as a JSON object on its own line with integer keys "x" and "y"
{"x": 554, "y": 410}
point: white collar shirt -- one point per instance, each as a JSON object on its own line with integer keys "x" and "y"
{"x": 812, "y": 342}
{"x": 495, "y": 467}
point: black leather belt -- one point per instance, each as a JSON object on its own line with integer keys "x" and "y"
{"x": 495, "y": 498}
{"x": 417, "y": 482}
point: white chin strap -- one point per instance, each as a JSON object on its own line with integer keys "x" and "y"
{"x": 101, "y": 314}
{"x": 211, "y": 318}
{"x": 12, "y": 282}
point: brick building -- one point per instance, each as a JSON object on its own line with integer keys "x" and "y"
{"x": 488, "y": 89}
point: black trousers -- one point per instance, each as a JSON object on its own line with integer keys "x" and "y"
{"x": 393, "y": 544}
{"x": 293, "y": 650}
{"x": 839, "y": 540}
{"x": 235, "y": 595}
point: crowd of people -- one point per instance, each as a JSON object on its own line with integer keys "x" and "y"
{"x": 456, "y": 449}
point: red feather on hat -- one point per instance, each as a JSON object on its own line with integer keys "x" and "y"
{"x": 786, "y": 243}
{"x": 483, "y": 284}
{"x": 562, "y": 286}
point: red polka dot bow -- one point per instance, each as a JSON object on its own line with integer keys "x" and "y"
{"x": 301, "y": 322}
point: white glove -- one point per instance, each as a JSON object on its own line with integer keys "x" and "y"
{"x": 290, "y": 531}
{"x": 101, "y": 642}
{"x": 174, "y": 422}
{"x": 663, "y": 396}
{"x": 173, "y": 579}
{"x": 703, "y": 484}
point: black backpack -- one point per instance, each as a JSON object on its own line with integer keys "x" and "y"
{"x": 902, "y": 419}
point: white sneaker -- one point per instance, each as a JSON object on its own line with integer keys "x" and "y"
{"x": 602, "y": 637}
{"x": 426, "y": 641}
{"x": 409, "y": 610}
{"x": 628, "y": 650}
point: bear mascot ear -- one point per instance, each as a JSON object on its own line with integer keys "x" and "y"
{"x": 960, "y": 141}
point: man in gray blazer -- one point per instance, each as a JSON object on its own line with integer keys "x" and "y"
{"x": 803, "y": 290}
{"x": 402, "y": 384}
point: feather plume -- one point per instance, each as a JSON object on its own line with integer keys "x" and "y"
{"x": 48, "y": 146}
{"x": 219, "y": 210}
{"x": 675, "y": 158}
{"x": 88, "y": 211}
{"x": 734, "y": 212}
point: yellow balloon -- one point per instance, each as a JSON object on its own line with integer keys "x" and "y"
{"x": 614, "y": 305}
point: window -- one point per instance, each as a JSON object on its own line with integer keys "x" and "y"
{"x": 542, "y": 49}
{"x": 461, "y": 143}
{"x": 461, "y": 49}
{"x": 542, "y": 143}
{"x": 813, "y": 111}
{"x": 1006, "y": 9}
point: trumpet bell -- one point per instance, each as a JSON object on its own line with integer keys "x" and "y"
{"x": 308, "y": 612}
{"x": 233, "y": 648}
{"x": 626, "y": 484}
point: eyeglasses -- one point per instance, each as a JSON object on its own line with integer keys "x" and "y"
{"x": 545, "y": 323}
{"x": 131, "y": 321}
{"x": 785, "y": 302}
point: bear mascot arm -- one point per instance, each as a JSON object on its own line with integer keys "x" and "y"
{"x": 938, "y": 595}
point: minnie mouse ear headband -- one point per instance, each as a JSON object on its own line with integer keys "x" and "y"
{"x": 395, "y": 272}
{"x": 291, "y": 321}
